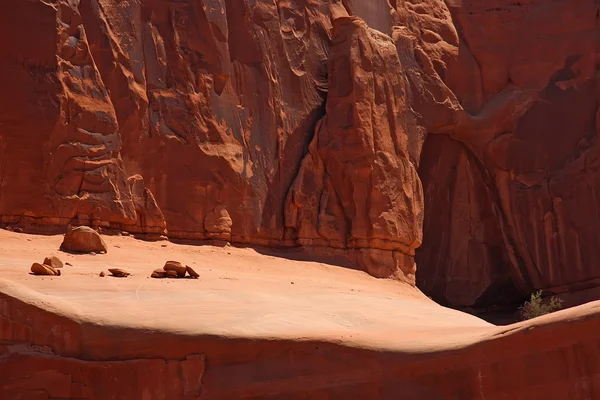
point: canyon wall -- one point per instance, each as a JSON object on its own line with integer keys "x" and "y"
{"x": 459, "y": 133}
{"x": 514, "y": 183}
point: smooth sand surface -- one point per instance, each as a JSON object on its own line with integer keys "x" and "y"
{"x": 240, "y": 293}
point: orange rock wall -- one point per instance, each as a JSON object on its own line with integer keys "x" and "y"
{"x": 514, "y": 182}
{"x": 305, "y": 122}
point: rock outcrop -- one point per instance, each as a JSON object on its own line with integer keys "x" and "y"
{"x": 304, "y": 123}
{"x": 358, "y": 188}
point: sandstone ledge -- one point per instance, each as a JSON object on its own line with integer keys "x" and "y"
{"x": 48, "y": 336}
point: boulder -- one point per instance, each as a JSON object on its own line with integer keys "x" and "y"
{"x": 83, "y": 239}
{"x": 159, "y": 273}
{"x": 175, "y": 266}
{"x": 40, "y": 269}
{"x": 53, "y": 261}
{"x": 172, "y": 274}
{"x": 191, "y": 272}
{"x": 119, "y": 273}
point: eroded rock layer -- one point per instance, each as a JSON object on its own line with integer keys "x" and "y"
{"x": 50, "y": 350}
{"x": 304, "y": 122}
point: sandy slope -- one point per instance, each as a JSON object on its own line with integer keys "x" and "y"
{"x": 254, "y": 312}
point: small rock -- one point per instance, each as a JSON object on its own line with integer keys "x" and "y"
{"x": 39, "y": 269}
{"x": 102, "y": 274}
{"x": 163, "y": 245}
{"x": 172, "y": 274}
{"x": 125, "y": 233}
{"x": 18, "y": 230}
{"x": 53, "y": 261}
{"x": 69, "y": 264}
{"x": 175, "y": 266}
{"x": 191, "y": 272}
{"x": 159, "y": 273}
{"x": 9, "y": 228}
{"x": 118, "y": 272}
{"x": 93, "y": 253}
{"x": 83, "y": 239}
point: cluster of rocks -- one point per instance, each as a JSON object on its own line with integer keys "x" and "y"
{"x": 50, "y": 267}
{"x": 174, "y": 269}
{"x": 83, "y": 239}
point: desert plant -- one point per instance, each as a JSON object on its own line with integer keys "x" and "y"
{"x": 535, "y": 306}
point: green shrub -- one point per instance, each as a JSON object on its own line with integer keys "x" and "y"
{"x": 535, "y": 307}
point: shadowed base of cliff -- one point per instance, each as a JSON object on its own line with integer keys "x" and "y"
{"x": 261, "y": 326}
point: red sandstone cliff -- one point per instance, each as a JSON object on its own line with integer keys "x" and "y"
{"x": 304, "y": 122}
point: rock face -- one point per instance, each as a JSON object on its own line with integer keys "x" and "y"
{"x": 83, "y": 239}
{"x": 52, "y": 376}
{"x": 512, "y": 179}
{"x": 357, "y": 187}
{"x": 304, "y": 123}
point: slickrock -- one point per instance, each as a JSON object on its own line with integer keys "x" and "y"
{"x": 334, "y": 333}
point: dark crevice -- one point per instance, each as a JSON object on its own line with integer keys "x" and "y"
{"x": 519, "y": 283}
